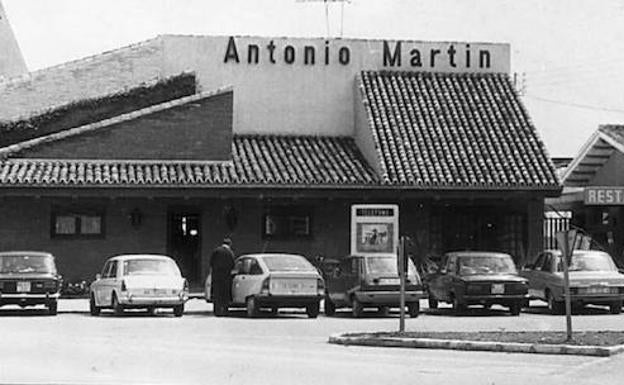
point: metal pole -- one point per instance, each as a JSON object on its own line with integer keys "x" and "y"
{"x": 568, "y": 303}
{"x": 401, "y": 264}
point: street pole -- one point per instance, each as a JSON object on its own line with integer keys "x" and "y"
{"x": 401, "y": 266}
{"x": 568, "y": 302}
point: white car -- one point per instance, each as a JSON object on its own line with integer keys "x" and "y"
{"x": 273, "y": 281}
{"x": 139, "y": 281}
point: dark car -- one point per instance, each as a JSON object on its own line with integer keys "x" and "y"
{"x": 594, "y": 279}
{"x": 29, "y": 278}
{"x": 370, "y": 281}
{"x": 478, "y": 278}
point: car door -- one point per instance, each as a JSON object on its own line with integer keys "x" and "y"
{"x": 98, "y": 287}
{"x": 240, "y": 289}
{"x": 532, "y": 273}
{"x": 255, "y": 278}
{"x": 545, "y": 275}
{"x": 109, "y": 283}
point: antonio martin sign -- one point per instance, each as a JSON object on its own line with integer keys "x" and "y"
{"x": 368, "y": 54}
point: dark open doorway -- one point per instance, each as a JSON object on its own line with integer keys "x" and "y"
{"x": 184, "y": 242}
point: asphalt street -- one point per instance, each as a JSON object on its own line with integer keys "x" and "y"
{"x": 75, "y": 348}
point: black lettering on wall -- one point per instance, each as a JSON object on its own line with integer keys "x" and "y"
{"x": 484, "y": 58}
{"x": 308, "y": 55}
{"x": 391, "y": 59}
{"x": 253, "y": 54}
{"x": 451, "y": 54}
{"x": 289, "y": 54}
{"x": 344, "y": 55}
{"x": 271, "y": 48}
{"x": 467, "y": 55}
{"x": 433, "y": 54}
{"x": 326, "y": 52}
{"x": 415, "y": 60}
{"x": 231, "y": 53}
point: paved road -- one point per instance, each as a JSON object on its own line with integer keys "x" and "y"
{"x": 75, "y": 348}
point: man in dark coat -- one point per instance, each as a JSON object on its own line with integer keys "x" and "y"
{"x": 221, "y": 265}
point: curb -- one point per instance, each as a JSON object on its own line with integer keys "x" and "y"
{"x": 505, "y": 347}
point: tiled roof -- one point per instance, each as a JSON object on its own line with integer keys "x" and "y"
{"x": 614, "y": 131}
{"x": 272, "y": 161}
{"x": 441, "y": 130}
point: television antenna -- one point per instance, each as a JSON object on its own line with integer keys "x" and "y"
{"x": 326, "y": 4}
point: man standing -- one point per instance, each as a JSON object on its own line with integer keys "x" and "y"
{"x": 221, "y": 265}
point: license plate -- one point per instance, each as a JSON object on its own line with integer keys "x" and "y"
{"x": 598, "y": 290}
{"x": 498, "y": 288}
{"x": 389, "y": 281}
{"x": 23, "y": 287}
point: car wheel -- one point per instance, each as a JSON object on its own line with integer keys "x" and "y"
{"x": 93, "y": 309}
{"x": 252, "y": 308}
{"x": 458, "y": 307}
{"x": 615, "y": 307}
{"x": 555, "y": 307}
{"x": 313, "y": 310}
{"x": 356, "y": 308}
{"x": 52, "y": 307}
{"x": 117, "y": 307}
{"x": 274, "y": 311}
{"x": 330, "y": 307}
{"x": 433, "y": 303}
{"x": 178, "y": 310}
{"x": 413, "y": 309}
{"x": 383, "y": 311}
{"x": 515, "y": 308}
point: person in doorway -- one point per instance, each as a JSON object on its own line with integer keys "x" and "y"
{"x": 221, "y": 265}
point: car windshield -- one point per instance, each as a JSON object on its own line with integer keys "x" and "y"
{"x": 386, "y": 266}
{"x": 287, "y": 263}
{"x": 590, "y": 262}
{"x": 27, "y": 264}
{"x": 486, "y": 264}
{"x": 150, "y": 267}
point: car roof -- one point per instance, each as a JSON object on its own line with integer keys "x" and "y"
{"x": 126, "y": 257}
{"x": 262, "y": 255}
{"x": 477, "y": 254}
{"x": 576, "y": 252}
{"x": 26, "y": 252}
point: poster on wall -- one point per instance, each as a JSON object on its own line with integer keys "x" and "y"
{"x": 374, "y": 229}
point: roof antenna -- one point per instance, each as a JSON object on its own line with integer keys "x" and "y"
{"x": 326, "y": 5}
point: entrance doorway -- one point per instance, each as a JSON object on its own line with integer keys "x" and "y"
{"x": 184, "y": 242}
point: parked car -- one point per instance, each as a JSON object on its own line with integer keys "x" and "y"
{"x": 594, "y": 279}
{"x": 29, "y": 278}
{"x": 139, "y": 281}
{"x": 273, "y": 281}
{"x": 370, "y": 281}
{"x": 478, "y": 278}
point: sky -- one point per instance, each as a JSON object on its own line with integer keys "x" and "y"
{"x": 567, "y": 53}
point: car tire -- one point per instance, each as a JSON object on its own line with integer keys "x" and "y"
{"x": 93, "y": 308}
{"x": 117, "y": 307}
{"x": 458, "y": 307}
{"x": 178, "y": 310}
{"x": 413, "y": 308}
{"x": 383, "y": 311}
{"x": 433, "y": 303}
{"x": 330, "y": 307}
{"x": 615, "y": 307}
{"x": 356, "y": 308}
{"x": 52, "y": 307}
{"x": 515, "y": 308}
{"x": 252, "y": 307}
{"x": 555, "y": 307}
{"x": 313, "y": 310}
{"x": 274, "y": 311}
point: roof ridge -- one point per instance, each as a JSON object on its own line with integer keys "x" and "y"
{"x": 5, "y": 151}
{"x": 4, "y": 82}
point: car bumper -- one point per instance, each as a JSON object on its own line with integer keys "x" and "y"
{"x": 387, "y": 298}
{"x": 287, "y": 300}
{"x": 500, "y": 299}
{"x": 27, "y": 298}
{"x": 147, "y": 301}
{"x": 595, "y": 299}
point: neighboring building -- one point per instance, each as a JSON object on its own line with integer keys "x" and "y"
{"x": 11, "y": 60}
{"x": 169, "y": 145}
{"x": 593, "y": 192}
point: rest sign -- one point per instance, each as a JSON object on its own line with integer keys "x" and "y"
{"x": 604, "y": 196}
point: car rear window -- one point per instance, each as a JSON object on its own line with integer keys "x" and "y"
{"x": 386, "y": 266}
{"x": 486, "y": 264}
{"x": 10, "y": 264}
{"x": 287, "y": 263}
{"x": 590, "y": 262}
{"x": 150, "y": 267}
